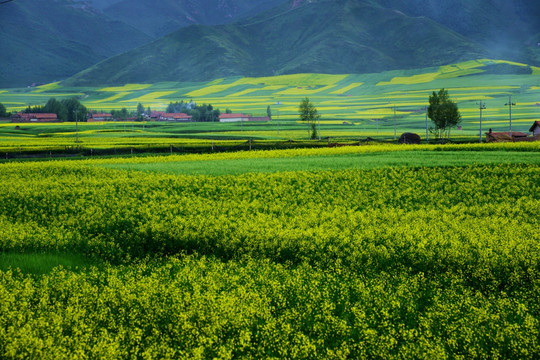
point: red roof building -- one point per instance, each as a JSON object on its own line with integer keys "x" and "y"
{"x": 100, "y": 117}
{"x": 155, "y": 115}
{"x": 179, "y": 117}
{"x": 23, "y": 117}
{"x": 505, "y": 136}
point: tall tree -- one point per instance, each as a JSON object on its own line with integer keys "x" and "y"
{"x": 75, "y": 110}
{"x": 140, "y": 111}
{"x": 3, "y": 111}
{"x": 444, "y": 113}
{"x": 56, "y": 107}
{"x": 269, "y": 112}
{"x": 310, "y": 115}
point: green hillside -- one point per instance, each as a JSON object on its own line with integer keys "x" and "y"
{"x": 322, "y": 37}
{"x": 44, "y": 41}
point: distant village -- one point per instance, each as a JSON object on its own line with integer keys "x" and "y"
{"x": 175, "y": 112}
{"x": 186, "y": 112}
{"x": 153, "y": 116}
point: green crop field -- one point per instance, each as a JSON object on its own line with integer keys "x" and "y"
{"x": 375, "y": 251}
{"x": 351, "y": 106}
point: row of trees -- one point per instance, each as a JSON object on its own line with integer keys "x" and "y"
{"x": 204, "y": 112}
{"x": 66, "y": 109}
{"x": 442, "y": 111}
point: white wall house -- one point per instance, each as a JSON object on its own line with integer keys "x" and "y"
{"x": 233, "y": 117}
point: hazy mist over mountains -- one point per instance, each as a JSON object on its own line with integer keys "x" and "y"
{"x": 116, "y": 41}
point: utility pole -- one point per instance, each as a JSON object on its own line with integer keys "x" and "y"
{"x": 395, "y": 136}
{"x": 482, "y": 107}
{"x": 427, "y": 133}
{"x": 510, "y": 104}
{"x": 278, "y": 103}
{"x": 76, "y": 126}
{"x": 319, "y": 120}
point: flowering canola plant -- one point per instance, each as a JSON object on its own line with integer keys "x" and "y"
{"x": 407, "y": 262}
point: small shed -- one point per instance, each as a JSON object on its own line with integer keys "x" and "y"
{"x": 535, "y": 129}
{"x": 505, "y": 136}
{"x": 100, "y": 117}
{"x": 233, "y": 117}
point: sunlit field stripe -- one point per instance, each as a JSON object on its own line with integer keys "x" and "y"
{"x": 127, "y": 87}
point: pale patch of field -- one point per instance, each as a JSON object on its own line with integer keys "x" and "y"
{"x": 498, "y": 122}
{"x": 535, "y": 70}
{"x": 471, "y": 97}
{"x": 301, "y": 91}
{"x": 484, "y": 88}
{"x": 216, "y": 81}
{"x": 332, "y": 108}
{"x": 112, "y": 98}
{"x": 459, "y": 73}
{"x": 248, "y": 91}
{"x": 127, "y": 87}
{"x": 243, "y": 92}
{"x": 471, "y": 64}
{"x": 410, "y": 80}
{"x": 507, "y": 62}
{"x": 347, "y": 88}
{"x": 526, "y": 117}
{"x": 44, "y": 96}
{"x": 476, "y": 110}
{"x": 295, "y": 80}
{"x": 210, "y": 90}
{"x": 381, "y": 112}
{"x": 151, "y": 96}
{"x": 47, "y": 87}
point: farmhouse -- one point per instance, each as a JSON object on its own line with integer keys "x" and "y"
{"x": 535, "y": 129}
{"x": 100, "y": 117}
{"x": 22, "y": 117}
{"x": 155, "y": 115}
{"x": 233, "y": 117}
{"x": 505, "y": 136}
{"x": 178, "y": 117}
{"x": 241, "y": 117}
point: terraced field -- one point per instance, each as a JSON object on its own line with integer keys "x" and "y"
{"x": 351, "y": 106}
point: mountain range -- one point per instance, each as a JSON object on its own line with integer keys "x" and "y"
{"x": 122, "y": 41}
{"x": 44, "y": 41}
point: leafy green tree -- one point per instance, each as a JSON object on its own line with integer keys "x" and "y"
{"x": 54, "y": 106}
{"x": 195, "y": 115}
{"x": 444, "y": 113}
{"x": 310, "y": 115}
{"x": 3, "y": 111}
{"x": 269, "y": 112}
{"x": 75, "y": 110}
{"x": 140, "y": 111}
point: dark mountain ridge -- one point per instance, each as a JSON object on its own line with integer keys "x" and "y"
{"x": 43, "y": 41}
{"x": 160, "y": 17}
{"x": 344, "y": 36}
